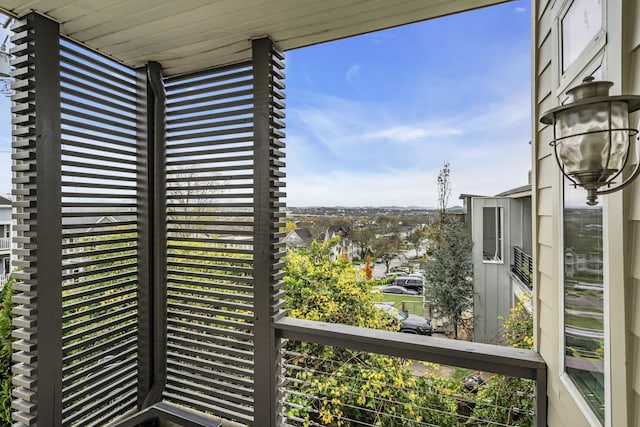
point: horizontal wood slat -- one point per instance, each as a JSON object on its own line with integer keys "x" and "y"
{"x": 209, "y": 231}
{"x": 99, "y": 236}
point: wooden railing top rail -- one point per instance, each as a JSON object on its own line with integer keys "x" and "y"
{"x": 464, "y": 354}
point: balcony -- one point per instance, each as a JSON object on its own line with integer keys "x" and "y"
{"x": 173, "y": 311}
{"x": 522, "y": 267}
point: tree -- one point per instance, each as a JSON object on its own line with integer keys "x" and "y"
{"x": 368, "y": 270}
{"x": 384, "y": 247}
{"x": 444, "y": 190}
{"x": 318, "y": 289}
{"x": 340, "y": 387}
{"x": 415, "y": 237}
{"x": 364, "y": 238}
{"x": 449, "y": 273}
{"x": 290, "y": 225}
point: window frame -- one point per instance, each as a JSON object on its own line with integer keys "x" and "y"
{"x": 500, "y": 239}
{"x": 585, "y": 59}
{"x": 595, "y": 64}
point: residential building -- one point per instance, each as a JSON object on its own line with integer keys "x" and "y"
{"x": 299, "y": 238}
{"x": 344, "y": 248}
{"x": 177, "y": 353}
{"x": 500, "y": 228}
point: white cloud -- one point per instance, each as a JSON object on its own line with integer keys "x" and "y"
{"x": 488, "y": 150}
{"x": 349, "y": 188}
{"x": 408, "y": 133}
{"x": 352, "y": 74}
{"x": 497, "y": 170}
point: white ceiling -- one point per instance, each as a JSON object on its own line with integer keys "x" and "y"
{"x": 189, "y": 35}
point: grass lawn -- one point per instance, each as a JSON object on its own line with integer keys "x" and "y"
{"x": 413, "y": 304}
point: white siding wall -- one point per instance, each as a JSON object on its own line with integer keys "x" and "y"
{"x": 624, "y": 67}
{"x": 562, "y": 409}
{"x": 633, "y": 244}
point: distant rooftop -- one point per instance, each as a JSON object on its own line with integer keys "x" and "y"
{"x": 516, "y": 191}
{"x": 522, "y": 191}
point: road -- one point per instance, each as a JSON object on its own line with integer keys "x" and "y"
{"x": 379, "y": 270}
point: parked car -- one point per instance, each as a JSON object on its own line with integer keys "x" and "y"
{"x": 473, "y": 382}
{"x": 399, "y": 290}
{"x": 410, "y": 282}
{"x": 409, "y": 323}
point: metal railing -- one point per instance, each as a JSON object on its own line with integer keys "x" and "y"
{"x": 511, "y": 362}
{"x": 5, "y": 243}
{"x": 522, "y": 266}
{"x": 342, "y": 387}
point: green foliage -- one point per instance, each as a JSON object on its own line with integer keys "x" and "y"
{"x": 386, "y": 248}
{"x": 346, "y": 388}
{"x": 330, "y": 292}
{"x": 5, "y": 353}
{"x": 509, "y": 392}
{"x": 506, "y": 400}
{"x": 365, "y": 238}
{"x": 339, "y": 387}
{"x": 290, "y": 225}
{"x": 416, "y": 236}
{"x": 449, "y": 272}
{"x": 330, "y": 384}
{"x": 518, "y": 328}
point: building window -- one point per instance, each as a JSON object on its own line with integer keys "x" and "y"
{"x": 491, "y": 234}
{"x": 584, "y": 337}
{"x": 580, "y": 25}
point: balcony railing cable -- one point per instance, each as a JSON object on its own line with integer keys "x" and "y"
{"x": 289, "y": 365}
{"x": 495, "y": 359}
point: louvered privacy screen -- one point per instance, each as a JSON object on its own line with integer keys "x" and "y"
{"x": 99, "y": 232}
{"x": 210, "y": 241}
{"x": 148, "y": 214}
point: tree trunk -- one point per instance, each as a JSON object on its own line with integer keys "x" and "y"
{"x": 455, "y": 327}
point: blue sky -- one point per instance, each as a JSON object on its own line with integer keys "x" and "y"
{"x": 371, "y": 119}
{"x": 5, "y": 133}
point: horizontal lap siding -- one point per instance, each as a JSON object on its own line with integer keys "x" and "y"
{"x": 633, "y": 194}
{"x": 544, "y": 180}
{"x": 562, "y": 409}
{"x": 209, "y": 181}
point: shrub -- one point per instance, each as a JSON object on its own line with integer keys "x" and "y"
{"x": 5, "y": 353}
{"x": 504, "y": 399}
{"x": 340, "y": 387}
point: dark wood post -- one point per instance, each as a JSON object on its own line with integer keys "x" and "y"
{"x": 37, "y": 187}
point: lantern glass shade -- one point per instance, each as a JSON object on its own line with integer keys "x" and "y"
{"x": 593, "y": 141}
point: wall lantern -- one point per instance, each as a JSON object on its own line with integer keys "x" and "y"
{"x": 592, "y": 137}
